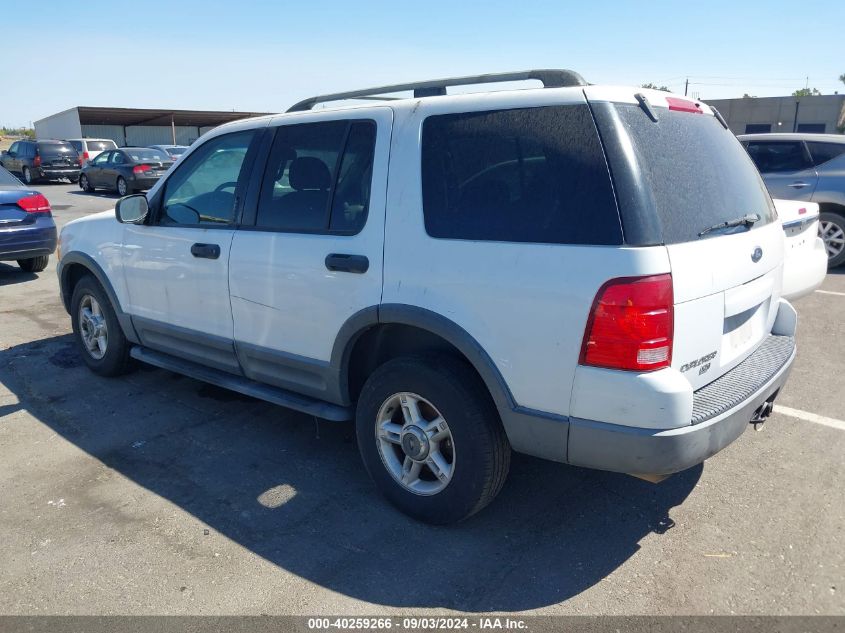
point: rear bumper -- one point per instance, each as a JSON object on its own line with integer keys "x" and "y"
{"x": 804, "y": 270}
{"x": 58, "y": 172}
{"x": 143, "y": 183}
{"x": 29, "y": 241}
{"x": 658, "y": 452}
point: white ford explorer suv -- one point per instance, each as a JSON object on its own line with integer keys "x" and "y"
{"x": 587, "y": 274}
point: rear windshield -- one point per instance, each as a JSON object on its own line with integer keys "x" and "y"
{"x": 697, "y": 172}
{"x": 141, "y": 155}
{"x": 57, "y": 149}
{"x": 176, "y": 150}
{"x": 100, "y": 146}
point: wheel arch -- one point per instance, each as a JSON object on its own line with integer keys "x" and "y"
{"x": 378, "y": 333}
{"x": 73, "y": 267}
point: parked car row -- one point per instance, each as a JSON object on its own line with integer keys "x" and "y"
{"x": 94, "y": 163}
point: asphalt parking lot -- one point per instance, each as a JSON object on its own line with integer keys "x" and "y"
{"x": 157, "y": 494}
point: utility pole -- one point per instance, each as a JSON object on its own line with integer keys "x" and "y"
{"x": 686, "y": 87}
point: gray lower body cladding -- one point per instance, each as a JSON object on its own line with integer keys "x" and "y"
{"x": 721, "y": 412}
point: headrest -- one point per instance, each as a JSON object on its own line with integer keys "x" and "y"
{"x": 307, "y": 172}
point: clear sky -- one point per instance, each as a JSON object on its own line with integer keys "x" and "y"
{"x": 264, "y": 55}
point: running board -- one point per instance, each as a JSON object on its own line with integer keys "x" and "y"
{"x": 243, "y": 385}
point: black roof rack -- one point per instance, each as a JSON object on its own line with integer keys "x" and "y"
{"x": 437, "y": 87}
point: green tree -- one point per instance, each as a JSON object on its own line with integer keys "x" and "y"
{"x": 656, "y": 87}
{"x": 806, "y": 92}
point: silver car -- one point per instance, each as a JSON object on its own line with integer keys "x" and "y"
{"x": 809, "y": 167}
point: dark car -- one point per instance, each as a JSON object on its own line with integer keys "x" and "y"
{"x": 42, "y": 160}
{"x": 27, "y": 230}
{"x": 125, "y": 170}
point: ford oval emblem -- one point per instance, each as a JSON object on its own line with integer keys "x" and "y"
{"x": 757, "y": 255}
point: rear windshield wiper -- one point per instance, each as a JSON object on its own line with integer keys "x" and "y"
{"x": 746, "y": 220}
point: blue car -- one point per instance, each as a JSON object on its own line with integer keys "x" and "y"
{"x": 27, "y": 231}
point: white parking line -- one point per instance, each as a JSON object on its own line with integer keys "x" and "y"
{"x": 811, "y": 417}
{"x": 831, "y": 292}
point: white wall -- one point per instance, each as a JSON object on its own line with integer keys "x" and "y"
{"x": 59, "y": 126}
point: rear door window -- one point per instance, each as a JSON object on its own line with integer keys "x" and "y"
{"x": 778, "y": 156}
{"x": 823, "y": 152}
{"x": 521, "y": 175}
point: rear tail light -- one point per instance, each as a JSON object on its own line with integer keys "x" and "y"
{"x": 85, "y": 156}
{"x": 631, "y": 325}
{"x": 683, "y": 105}
{"x": 36, "y": 161}
{"x": 140, "y": 169}
{"x": 35, "y": 203}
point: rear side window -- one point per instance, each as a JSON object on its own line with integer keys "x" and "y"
{"x": 318, "y": 178}
{"x": 696, "y": 172}
{"x": 823, "y": 152}
{"x": 522, "y": 175}
{"x": 774, "y": 156}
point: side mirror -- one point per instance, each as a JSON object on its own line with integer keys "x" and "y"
{"x": 132, "y": 209}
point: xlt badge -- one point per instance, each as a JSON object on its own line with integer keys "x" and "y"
{"x": 703, "y": 363}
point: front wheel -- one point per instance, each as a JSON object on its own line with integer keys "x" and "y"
{"x": 122, "y": 187}
{"x": 97, "y": 331}
{"x": 34, "y": 264}
{"x": 431, "y": 439}
{"x": 85, "y": 184}
{"x": 832, "y": 232}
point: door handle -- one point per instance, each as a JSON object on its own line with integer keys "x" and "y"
{"x": 206, "y": 251}
{"x": 797, "y": 185}
{"x": 347, "y": 263}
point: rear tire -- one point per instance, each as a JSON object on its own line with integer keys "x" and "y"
{"x": 85, "y": 184}
{"x": 832, "y": 231}
{"x": 468, "y": 450}
{"x": 97, "y": 331}
{"x": 34, "y": 264}
{"x": 26, "y": 175}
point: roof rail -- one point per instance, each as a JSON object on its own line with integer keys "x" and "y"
{"x": 437, "y": 87}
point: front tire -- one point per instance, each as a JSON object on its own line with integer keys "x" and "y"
{"x": 832, "y": 232}
{"x": 34, "y": 264}
{"x": 122, "y": 188}
{"x": 431, "y": 439}
{"x": 97, "y": 331}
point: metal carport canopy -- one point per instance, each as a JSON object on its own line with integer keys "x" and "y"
{"x": 144, "y": 116}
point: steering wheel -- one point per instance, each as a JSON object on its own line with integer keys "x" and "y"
{"x": 226, "y": 185}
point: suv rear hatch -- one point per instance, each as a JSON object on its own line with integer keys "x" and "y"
{"x": 681, "y": 180}
{"x": 58, "y": 155}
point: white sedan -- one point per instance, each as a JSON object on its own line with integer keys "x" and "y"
{"x": 805, "y": 261}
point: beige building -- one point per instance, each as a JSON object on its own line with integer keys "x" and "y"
{"x": 752, "y": 115}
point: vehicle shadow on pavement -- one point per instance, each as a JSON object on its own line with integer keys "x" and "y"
{"x": 11, "y": 274}
{"x": 293, "y": 491}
